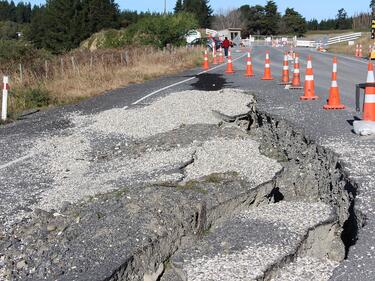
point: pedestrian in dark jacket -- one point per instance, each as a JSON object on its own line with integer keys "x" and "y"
{"x": 226, "y": 45}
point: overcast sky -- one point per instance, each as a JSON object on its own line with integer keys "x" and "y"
{"x": 320, "y": 9}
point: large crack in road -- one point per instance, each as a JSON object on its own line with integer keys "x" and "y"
{"x": 210, "y": 189}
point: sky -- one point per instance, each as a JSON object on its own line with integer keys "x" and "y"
{"x": 319, "y": 9}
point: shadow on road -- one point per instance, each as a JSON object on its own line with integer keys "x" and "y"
{"x": 210, "y": 82}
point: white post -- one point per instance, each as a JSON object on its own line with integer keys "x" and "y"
{"x": 5, "y": 98}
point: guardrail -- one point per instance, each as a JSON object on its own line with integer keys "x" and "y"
{"x": 344, "y": 38}
{"x": 305, "y": 43}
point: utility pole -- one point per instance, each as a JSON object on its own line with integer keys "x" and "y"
{"x": 165, "y": 7}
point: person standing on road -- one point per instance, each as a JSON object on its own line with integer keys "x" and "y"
{"x": 226, "y": 45}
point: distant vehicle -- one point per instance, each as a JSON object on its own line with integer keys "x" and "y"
{"x": 198, "y": 42}
{"x": 206, "y": 42}
{"x": 192, "y": 35}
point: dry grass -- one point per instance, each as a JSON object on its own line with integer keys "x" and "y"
{"x": 344, "y": 48}
{"x": 82, "y": 74}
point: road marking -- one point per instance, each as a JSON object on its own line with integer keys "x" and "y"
{"x": 182, "y": 82}
{"x": 125, "y": 107}
{"x": 16, "y": 161}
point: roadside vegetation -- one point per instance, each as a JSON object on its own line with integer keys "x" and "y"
{"x": 68, "y": 50}
{"x": 344, "y": 48}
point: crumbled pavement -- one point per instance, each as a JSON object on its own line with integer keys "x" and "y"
{"x": 199, "y": 170}
{"x": 104, "y": 194}
{"x": 91, "y": 155}
{"x": 249, "y": 244}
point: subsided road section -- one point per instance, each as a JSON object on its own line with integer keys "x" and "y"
{"x": 330, "y": 129}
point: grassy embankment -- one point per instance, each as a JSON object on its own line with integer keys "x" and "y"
{"x": 82, "y": 74}
{"x": 344, "y": 48}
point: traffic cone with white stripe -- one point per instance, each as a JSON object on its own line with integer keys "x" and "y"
{"x": 357, "y": 50}
{"x": 214, "y": 55}
{"x": 369, "y": 106}
{"x": 309, "y": 82}
{"x": 205, "y": 60}
{"x": 296, "y": 81}
{"x": 360, "y": 51}
{"x": 334, "y": 93}
{"x": 267, "y": 68}
{"x": 229, "y": 69}
{"x": 249, "y": 66}
{"x": 285, "y": 72}
{"x": 221, "y": 57}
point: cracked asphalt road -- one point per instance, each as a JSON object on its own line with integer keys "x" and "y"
{"x": 332, "y": 129}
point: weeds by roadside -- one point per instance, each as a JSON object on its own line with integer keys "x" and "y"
{"x": 344, "y": 48}
{"x": 83, "y": 74}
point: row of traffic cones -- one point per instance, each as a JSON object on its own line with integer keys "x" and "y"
{"x": 217, "y": 59}
{"x": 309, "y": 86}
{"x": 333, "y": 101}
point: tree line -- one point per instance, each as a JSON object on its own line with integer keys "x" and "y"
{"x": 267, "y": 20}
{"x": 61, "y": 25}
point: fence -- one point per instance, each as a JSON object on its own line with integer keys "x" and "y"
{"x": 74, "y": 63}
{"x": 344, "y": 38}
{"x": 82, "y": 74}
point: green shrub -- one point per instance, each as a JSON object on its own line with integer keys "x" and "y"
{"x": 161, "y": 30}
{"x": 13, "y": 52}
{"x": 25, "y": 98}
{"x": 155, "y": 30}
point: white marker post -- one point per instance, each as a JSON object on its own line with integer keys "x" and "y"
{"x": 5, "y": 98}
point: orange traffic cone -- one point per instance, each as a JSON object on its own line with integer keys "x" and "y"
{"x": 267, "y": 68}
{"x": 296, "y": 81}
{"x": 309, "y": 82}
{"x": 360, "y": 51}
{"x": 369, "y": 106}
{"x": 221, "y": 57}
{"x": 357, "y": 50}
{"x": 285, "y": 72}
{"x": 229, "y": 69}
{"x": 205, "y": 61}
{"x": 249, "y": 66}
{"x": 214, "y": 55}
{"x": 334, "y": 93}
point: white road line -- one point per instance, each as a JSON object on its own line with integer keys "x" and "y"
{"x": 16, "y": 161}
{"x": 182, "y": 82}
{"x": 125, "y": 107}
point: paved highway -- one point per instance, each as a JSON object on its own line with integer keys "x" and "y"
{"x": 24, "y": 178}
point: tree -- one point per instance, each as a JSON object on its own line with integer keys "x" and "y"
{"x": 293, "y": 23}
{"x": 61, "y": 25}
{"x": 161, "y": 30}
{"x": 313, "y": 24}
{"x": 342, "y": 20}
{"x": 99, "y": 14}
{"x": 271, "y": 19}
{"x": 201, "y": 9}
{"x": 372, "y": 6}
{"x": 253, "y": 18}
{"x": 228, "y": 18}
{"x": 178, "y": 6}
